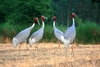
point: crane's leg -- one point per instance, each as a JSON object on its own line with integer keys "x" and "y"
{"x": 30, "y": 50}
{"x": 57, "y": 48}
{"x": 36, "y": 47}
{"x": 72, "y": 49}
{"x": 66, "y": 50}
{"x": 19, "y": 52}
{"x": 19, "y": 48}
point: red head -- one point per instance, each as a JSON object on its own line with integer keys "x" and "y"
{"x": 73, "y": 15}
{"x": 36, "y": 20}
{"x": 54, "y": 18}
{"x": 43, "y": 17}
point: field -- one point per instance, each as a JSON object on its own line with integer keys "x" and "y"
{"x": 84, "y": 56}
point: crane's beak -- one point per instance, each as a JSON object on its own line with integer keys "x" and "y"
{"x": 38, "y": 22}
{"x": 51, "y": 18}
{"x": 45, "y": 18}
{"x": 75, "y": 14}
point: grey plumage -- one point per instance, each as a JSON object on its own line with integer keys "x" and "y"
{"x": 36, "y": 36}
{"x": 70, "y": 34}
{"x": 23, "y": 35}
{"x": 58, "y": 34}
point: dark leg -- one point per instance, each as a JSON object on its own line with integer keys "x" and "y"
{"x": 30, "y": 50}
{"x": 57, "y": 47}
{"x": 36, "y": 47}
{"x": 72, "y": 50}
{"x": 19, "y": 48}
{"x": 19, "y": 52}
{"x": 66, "y": 51}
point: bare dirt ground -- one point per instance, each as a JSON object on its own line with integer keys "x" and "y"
{"x": 84, "y": 56}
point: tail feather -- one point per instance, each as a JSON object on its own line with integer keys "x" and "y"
{"x": 31, "y": 41}
{"x": 15, "y": 42}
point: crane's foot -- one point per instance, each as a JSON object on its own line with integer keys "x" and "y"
{"x": 72, "y": 51}
{"x": 36, "y": 47}
{"x": 56, "y": 49}
{"x": 31, "y": 52}
{"x": 73, "y": 54}
{"x": 66, "y": 52}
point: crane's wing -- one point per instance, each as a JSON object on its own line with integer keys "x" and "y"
{"x": 37, "y": 35}
{"x": 59, "y": 34}
{"x": 23, "y": 35}
{"x": 70, "y": 34}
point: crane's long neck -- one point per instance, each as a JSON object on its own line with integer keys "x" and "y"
{"x": 43, "y": 24}
{"x": 33, "y": 25}
{"x": 54, "y": 24}
{"x": 73, "y": 22}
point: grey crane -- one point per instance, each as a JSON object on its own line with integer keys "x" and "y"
{"x": 70, "y": 34}
{"x": 23, "y": 35}
{"x": 58, "y": 34}
{"x": 66, "y": 37}
{"x": 36, "y": 36}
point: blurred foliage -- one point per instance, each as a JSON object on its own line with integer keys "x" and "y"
{"x": 88, "y": 33}
{"x": 9, "y": 30}
{"x": 16, "y": 15}
{"x": 23, "y": 11}
{"x": 84, "y": 9}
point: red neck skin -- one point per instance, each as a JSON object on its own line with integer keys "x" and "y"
{"x": 54, "y": 18}
{"x": 35, "y": 21}
{"x": 42, "y": 20}
{"x": 72, "y": 18}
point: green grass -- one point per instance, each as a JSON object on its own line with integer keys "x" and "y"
{"x": 86, "y": 33}
{"x": 9, "y": 30}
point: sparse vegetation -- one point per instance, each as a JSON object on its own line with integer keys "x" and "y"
{"x": 87, "y": 32}
{"x": 84, "y": 56}
{"x": 16, "y": 15}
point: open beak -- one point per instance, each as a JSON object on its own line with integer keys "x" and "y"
{"x": 38, "y": 22}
